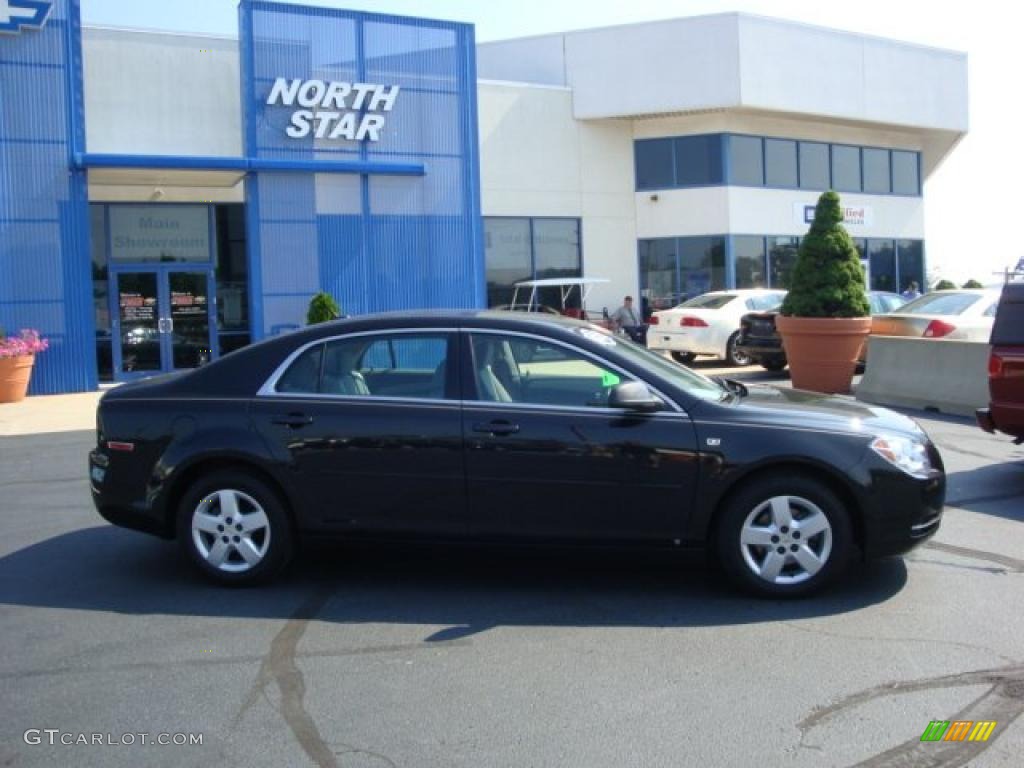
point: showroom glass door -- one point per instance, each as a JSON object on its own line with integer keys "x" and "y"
{"x": 162, "y": 320}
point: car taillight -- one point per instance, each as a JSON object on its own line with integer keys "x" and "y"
{"x": 654, "y": 320}
{"x": 692, "y": 322}
{"x": 937, "y": 329}
{"x": 996, "y": 369}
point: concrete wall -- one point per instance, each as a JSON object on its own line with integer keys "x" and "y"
{"x": 537, "y": 160}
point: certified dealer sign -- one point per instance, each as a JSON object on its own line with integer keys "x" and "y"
{"x": 334, "y": 110}
{"x": 16, "y": 15}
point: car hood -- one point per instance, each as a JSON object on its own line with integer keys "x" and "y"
{"x": 800, "y": 409}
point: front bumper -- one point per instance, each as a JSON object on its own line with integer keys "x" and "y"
{"x": 900, "y": 511}
{"x": 760, "y": 349}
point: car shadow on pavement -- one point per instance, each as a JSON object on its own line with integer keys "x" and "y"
{"x": 992, "y": 489}
{"x": 467, "y": 590}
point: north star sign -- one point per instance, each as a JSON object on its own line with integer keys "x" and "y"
{"x": 334, "y": 110}
{"x": 18, "y": 14}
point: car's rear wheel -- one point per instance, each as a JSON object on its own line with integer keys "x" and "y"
{"x": 234, "y": 527}
{"x": 733, "y": 356}
{"x": 774, "y": 364}
{"x": 684, "y": 358}
{"x": 784, "y": 537}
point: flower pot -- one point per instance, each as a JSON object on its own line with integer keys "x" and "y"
{"x": 823, "y": 351}
{"x": 14, "y": 375}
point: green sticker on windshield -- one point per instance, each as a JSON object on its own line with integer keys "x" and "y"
{"x": 609, "y": 379}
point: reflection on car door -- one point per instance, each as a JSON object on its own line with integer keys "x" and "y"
{"x": 372, "y": 428}
{"x": 545, "y": 456}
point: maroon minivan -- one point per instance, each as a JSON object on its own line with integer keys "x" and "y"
{"x": 1006, "y": 367}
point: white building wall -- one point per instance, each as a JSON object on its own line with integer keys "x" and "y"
{"x": 537, "y": 160}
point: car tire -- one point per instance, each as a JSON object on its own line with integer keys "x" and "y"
{"x": 234, "y": 528}
{"x": 774, "y": 365}
{"x": 732, "y": 355}
{"x": 817, "y": 543}
{"x": 684, "y": 358}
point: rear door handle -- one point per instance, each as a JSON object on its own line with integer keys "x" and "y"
{"x": 497, "y": 427}
{"x": 293, "y": 420}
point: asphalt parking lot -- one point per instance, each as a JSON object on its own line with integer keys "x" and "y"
{"x": 460, "y": 657}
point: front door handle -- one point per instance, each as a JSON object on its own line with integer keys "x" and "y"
{"x": 293, "y": 420}
{"x": 497, "y": 427}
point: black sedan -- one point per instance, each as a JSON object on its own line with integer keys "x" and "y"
{"x": 506, "y": 426}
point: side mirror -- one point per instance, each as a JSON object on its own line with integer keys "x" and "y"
{"x": 634, "y": 396}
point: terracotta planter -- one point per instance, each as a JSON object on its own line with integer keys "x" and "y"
{"x": 822, "y": 351}
{"x": 14, "y": 375}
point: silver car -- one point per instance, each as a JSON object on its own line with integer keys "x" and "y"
{"x": 962, "y": 315}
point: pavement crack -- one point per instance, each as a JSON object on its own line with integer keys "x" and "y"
{"x": 1010, "y": 563}
{"x": 1003, "y": 702}
{"x": 280, "y": 668}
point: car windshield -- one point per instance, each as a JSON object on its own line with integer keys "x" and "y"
{"x": 765, "y": 303}
{"x": 708, "y": 301}
{"x": 691, "y": 382}
{"x": 941, "y": 304}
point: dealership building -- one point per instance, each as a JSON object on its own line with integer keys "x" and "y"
{"x": 167, "y": 198}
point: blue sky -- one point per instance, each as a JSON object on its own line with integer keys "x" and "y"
{"x": 969, "y": 200}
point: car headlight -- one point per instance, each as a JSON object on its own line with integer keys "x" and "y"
{"x": 908, "y": 454}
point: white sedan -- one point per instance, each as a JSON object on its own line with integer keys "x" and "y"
{"x": 709, "y": 324}
{"x": 963, "y": 315}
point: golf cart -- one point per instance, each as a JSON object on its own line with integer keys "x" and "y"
{"x": 566, "y": 286}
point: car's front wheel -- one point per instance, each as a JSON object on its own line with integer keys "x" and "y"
{"x": 234, "y": 527}
{"x": 684, "y": 358}
{"x": 784, "y": 537}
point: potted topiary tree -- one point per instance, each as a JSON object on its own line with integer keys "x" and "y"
{"x": 17, "y": 355}
{"x": 824, "y": 319}
{"x": 322, "y": 308}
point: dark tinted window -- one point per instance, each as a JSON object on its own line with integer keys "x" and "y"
{"x": 750, "y": 261}
{"x": 780, "y": 163}
{"x": 876, "y": 171}
{"x": 846, "y": 168}
{"x": 701, "y": 264}
{"x": 658, "y": 288}
{"x": 814, "y": 166}
{"x": 1009, "y": 325}
{"x": 409, "y": 366}
{"x": 698, "y": 160}
{"x": 745, "y": 161}
{"x": 654, "y": 164}
{"x": 507, "y": 256}
{"x": 905, "y": 173}
{"x": 782, "y": 253}
{"x": 882, "y": 257}
{"x": 303, "y": 376}
{"x": 910, "y": 256}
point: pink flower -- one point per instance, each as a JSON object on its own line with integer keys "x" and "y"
{"x": 27, "y": 342}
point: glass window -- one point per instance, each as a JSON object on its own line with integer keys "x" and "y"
{"x": 905, "y": 173}
{"x": 701, "y": 265}
{"x": 716, "y": 301}
{"x": 160, "y": 233}
{"x": 400, "y": 365}
{"x": 910, "y": 258}
{"x": 232, "y": 278}
{"x": 746, "y": 163}
{"x": 882, "y": 257}
{"x": 654, "y": 167}
{"x": 507, "y": 255}
{"x": 303, "y": 376}
{"x": 942, "y": 303}
{"x": 101, "y": 291}
{"x": 814, "y": 166}
{"x": 658, "y": 287}
{"x": 766, "y": 303}
{"x": 780, "y": 163}
{"x": 556, "y": 253}
{"x": 698, "y": 160}
{"x": 782, "y": 253}
{"x": 876, "y": 171}
{"x": 749, "y": 255}
{"x": 513, "y": 369}
{"x": 846, "y": 168}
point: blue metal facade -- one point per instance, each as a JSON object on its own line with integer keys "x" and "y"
{"x": 380, "y": 239}
{"x": 45, "y": 277}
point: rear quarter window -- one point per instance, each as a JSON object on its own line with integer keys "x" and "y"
{"x": 1009, "y": 325}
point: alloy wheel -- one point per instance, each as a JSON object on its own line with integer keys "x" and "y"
{"x": 786, "y": 540}
{"x": 230, "y": 531}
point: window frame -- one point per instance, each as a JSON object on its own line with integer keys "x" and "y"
{"x": 269, "y": 387}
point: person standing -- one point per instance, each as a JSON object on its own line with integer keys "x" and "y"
{"x": 626, "y": 318}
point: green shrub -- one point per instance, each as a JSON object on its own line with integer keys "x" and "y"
{"x": 972, "y": 283}
{"x": 944, "y": 285}
{"x": 828, "y": 279}
{"x": 322, "y": 308}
